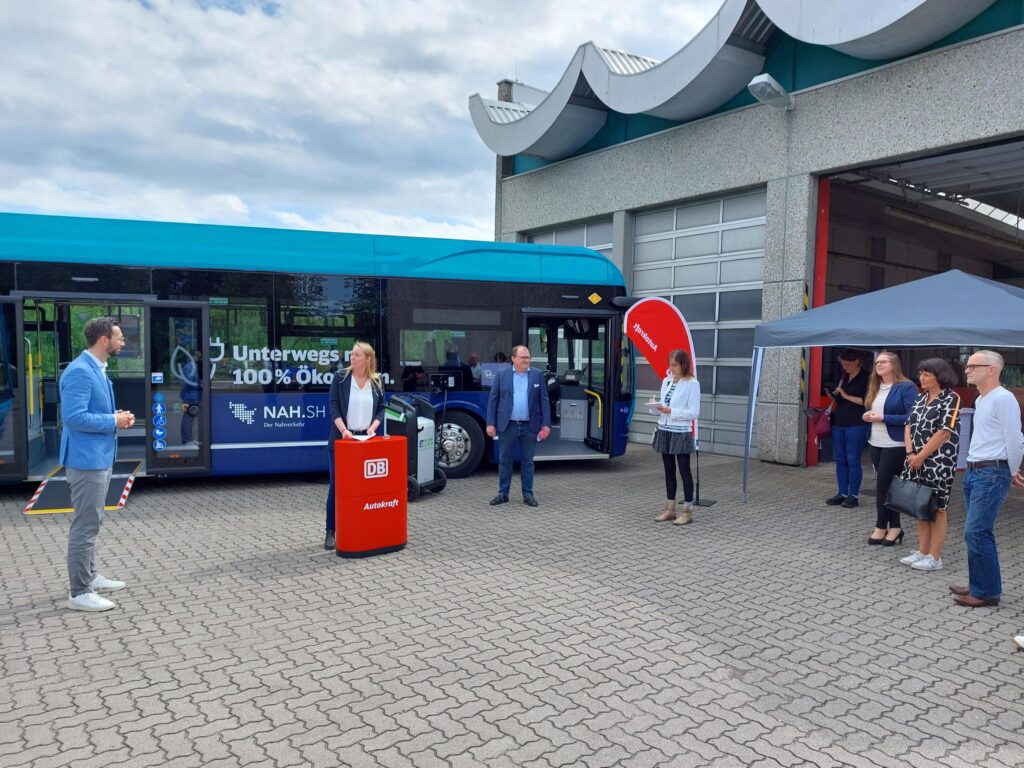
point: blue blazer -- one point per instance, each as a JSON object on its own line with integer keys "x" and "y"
{"x": 89, "y": 440}
{"x": 897, "y": 408}
{"x": 499, "y": 404}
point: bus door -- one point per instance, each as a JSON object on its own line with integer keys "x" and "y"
{"x": 177, "y": 418}
{"x": 15, "y": 382}
{"x": 572, "y": 348}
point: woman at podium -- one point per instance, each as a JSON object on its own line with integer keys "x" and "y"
{"x": 357, "y": 408}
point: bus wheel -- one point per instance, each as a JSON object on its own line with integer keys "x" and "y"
{"x": 461, "y": 444}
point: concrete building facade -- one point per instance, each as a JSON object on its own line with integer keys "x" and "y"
{"x": 734, "y": 214}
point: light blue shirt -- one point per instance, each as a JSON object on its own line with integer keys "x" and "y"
{"x": 520, "y": 395}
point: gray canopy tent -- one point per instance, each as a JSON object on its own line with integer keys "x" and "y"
{"x": 951, "y": 309}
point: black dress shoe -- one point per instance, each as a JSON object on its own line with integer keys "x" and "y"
{"x": 835, "y": 501}
{"x": 850, "y": 502}
{"x": 329, "y": 540}
{"x": 530, "y": 501}
{"x": 501, "y": 498}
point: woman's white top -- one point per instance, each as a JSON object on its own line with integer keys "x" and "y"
{"x": 683, "y": 397}
{"x": 879, "y": 431}
{"x": 360, "y": 406}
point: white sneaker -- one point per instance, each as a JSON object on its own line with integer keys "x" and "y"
{"x": 1019, "y": 640}
{"x": 911, "y": 559}
{"x": 110, "y": 585}
{"x": 928, "y": 563}
{"x": 90, "y": 601}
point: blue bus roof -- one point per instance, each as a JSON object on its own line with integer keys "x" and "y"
{"x": 120, "y": 242}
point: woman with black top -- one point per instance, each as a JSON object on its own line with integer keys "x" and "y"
{"x": 849, "y": 432}
{"x": 357, "y": 408}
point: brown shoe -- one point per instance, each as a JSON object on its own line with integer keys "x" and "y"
{"x": 684, "y": 517}
{"x": 668, "y": 513}
{"x": 962, "y": 591}
{"x": 970, "y": 601}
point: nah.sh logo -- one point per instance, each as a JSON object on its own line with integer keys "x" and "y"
{"x": 375, "y": 468}
{"x": 243, "y": 414}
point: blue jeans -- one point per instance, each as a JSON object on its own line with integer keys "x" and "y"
{"x": 517, "y": 434}
{"x": 984, "y": 490}
{"x": 847, "y": 446}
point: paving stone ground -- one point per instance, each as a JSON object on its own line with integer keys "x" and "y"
{"x": 577, "y": 634}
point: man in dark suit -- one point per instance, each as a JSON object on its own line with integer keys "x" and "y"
{"x": 518, "y": 413}
{"x": 87, "y": 448}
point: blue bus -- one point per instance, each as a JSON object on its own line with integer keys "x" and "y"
{"x": 233, "y": 335}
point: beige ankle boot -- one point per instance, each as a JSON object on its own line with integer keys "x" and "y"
{"x": 685, "y": 516}
{"x": 668, "y": 513}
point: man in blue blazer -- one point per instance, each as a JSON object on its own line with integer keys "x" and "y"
{"x": 518, "y": 413}
{"x": 87, "y": 448}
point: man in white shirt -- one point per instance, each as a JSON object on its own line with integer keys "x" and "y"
{"x": 993, "y": 461}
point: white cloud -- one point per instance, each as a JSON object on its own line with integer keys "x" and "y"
{"x": 341, "y": 113}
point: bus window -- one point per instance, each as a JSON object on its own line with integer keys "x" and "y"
{"x": 240, "y": 321}
{"x": 319, "y": 318}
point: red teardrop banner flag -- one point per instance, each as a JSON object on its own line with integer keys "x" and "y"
{"x": 657, "y": 327}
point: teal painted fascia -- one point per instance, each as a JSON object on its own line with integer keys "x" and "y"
{"x": 119, "y": 242}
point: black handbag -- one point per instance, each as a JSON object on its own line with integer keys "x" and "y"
{"x": 910, "y": 497}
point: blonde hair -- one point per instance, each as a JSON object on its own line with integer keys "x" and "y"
{"x": 875, "y": 382}
{"x": 371, "y": 365}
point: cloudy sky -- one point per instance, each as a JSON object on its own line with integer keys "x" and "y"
{"x": 325, "y": 114}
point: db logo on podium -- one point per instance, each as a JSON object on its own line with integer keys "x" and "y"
{"x": 373, "y": 468}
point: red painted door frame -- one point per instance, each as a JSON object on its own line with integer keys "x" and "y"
{"x": 817, "y": 300}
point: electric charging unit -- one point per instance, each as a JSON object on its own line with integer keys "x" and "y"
{"x": 413, "y": 417}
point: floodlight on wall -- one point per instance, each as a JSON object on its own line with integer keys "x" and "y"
{"x": 767, "y": 90}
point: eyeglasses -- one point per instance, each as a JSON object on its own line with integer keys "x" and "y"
{"x": 972, "y": 366}
{"x": 883, "y": 362}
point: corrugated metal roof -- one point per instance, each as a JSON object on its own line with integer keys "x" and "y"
{"x": 505, "y": 112}
{"x": 754, "y": 26}
{"x": 707, "y": 71}
{"x": 622, "y": 63}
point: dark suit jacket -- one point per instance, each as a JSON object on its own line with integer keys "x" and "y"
{"x": 499, "y": 405}
{"x": 897, "y": 407}
{"x": 341, "y": 388}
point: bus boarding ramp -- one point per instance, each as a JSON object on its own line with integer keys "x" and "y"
{"x": 53, "y": 496}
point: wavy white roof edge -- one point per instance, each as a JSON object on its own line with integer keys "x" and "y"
{"x": 707, "y": 71}
{"x": 875, "y": 29}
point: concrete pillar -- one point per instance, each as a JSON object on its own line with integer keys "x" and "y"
{"x": 622, "y": 245}
{"x": 788, "y": 271}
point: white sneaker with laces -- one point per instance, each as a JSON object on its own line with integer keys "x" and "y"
{"x": 110, "y": 585}
{"x": 90, "y": 601}
{"x": 913, "y": 558}
{"x": 928, "y": 563}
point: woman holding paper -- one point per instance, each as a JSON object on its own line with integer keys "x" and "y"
{"x": 357, "y": 408}
{"x": 677, "y": 406}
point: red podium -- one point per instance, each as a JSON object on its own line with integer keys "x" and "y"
{"x": 370, "y": 496}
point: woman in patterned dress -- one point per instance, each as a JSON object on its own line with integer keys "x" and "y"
{"x": 932, "y": 438}
{"x": 677, "y": 407}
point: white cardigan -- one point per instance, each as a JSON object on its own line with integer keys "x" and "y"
{"x": 685, "y": 404}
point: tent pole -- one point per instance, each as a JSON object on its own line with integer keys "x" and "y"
{"x": 755, "y": 379}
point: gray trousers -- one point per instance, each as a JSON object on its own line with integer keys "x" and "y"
{"x": 88, "y": 493}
